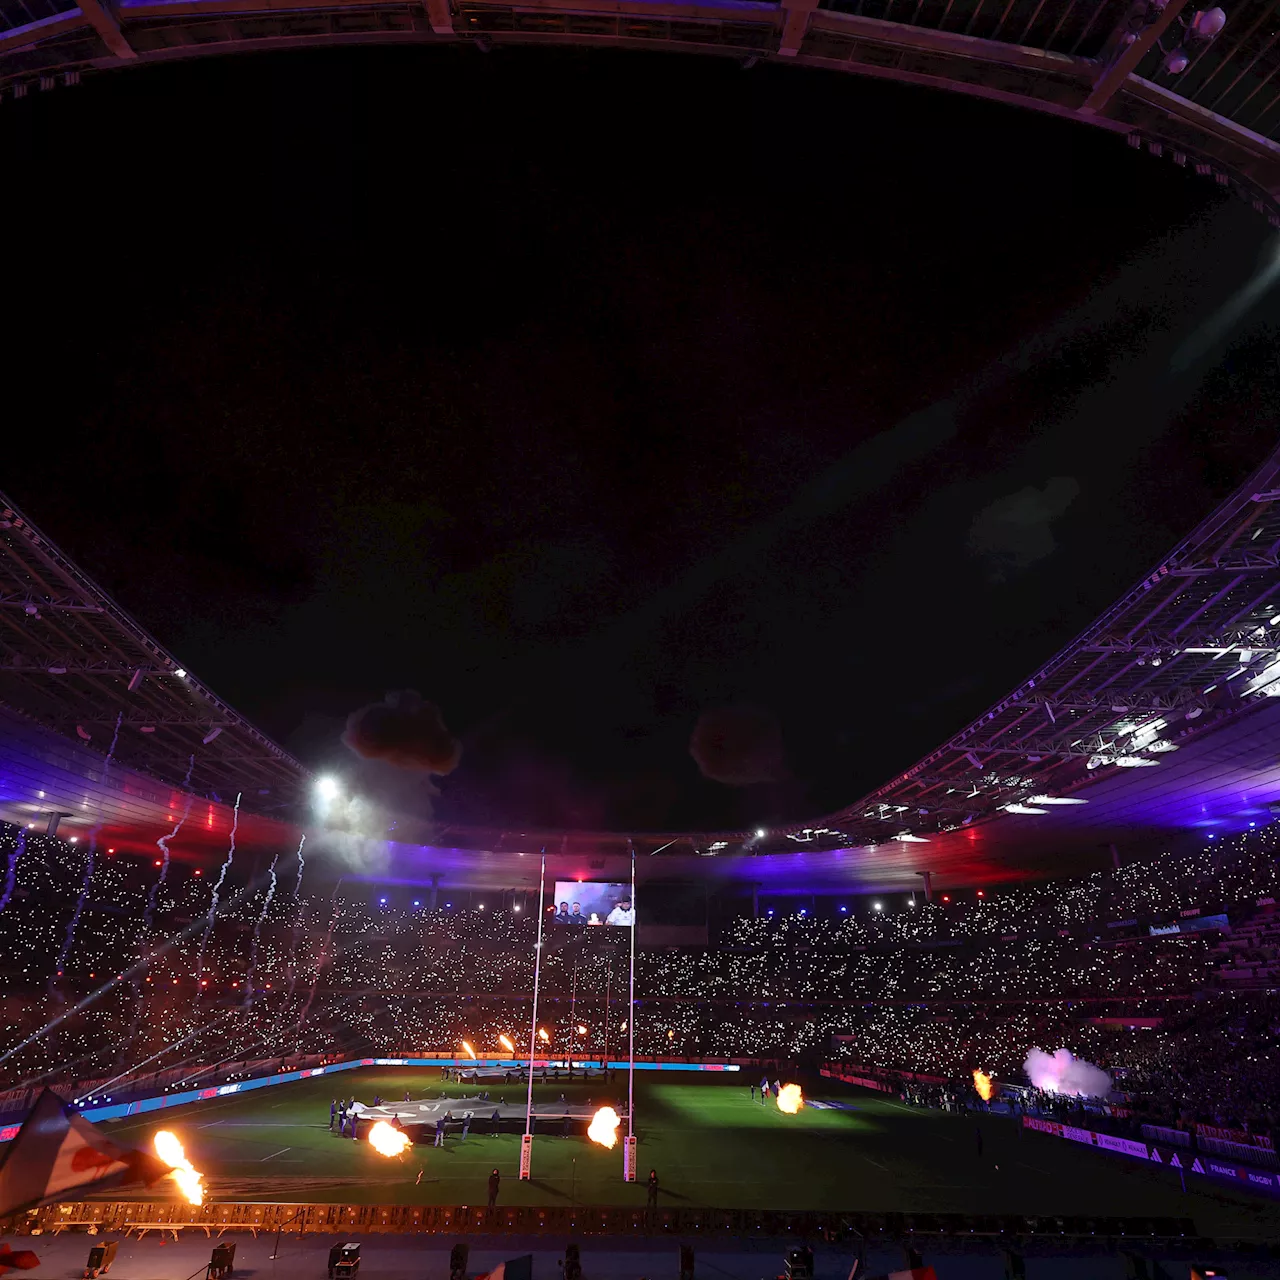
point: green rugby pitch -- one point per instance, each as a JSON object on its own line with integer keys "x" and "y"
{"x": 710, "y": 1143}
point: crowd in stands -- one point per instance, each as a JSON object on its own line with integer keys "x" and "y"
{"x": 935, "y": 987}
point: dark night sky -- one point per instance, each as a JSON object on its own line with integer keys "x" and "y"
{"x": 584, "y": 392}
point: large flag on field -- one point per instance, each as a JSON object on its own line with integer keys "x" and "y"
{"x": 513, "y": 1269}
{"x": 57, "y": 1152}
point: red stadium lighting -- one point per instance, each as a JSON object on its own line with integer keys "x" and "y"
{"x": 946, "y": 898}
{"x": 199, "y": 872}
{"x": 157, "y": 862}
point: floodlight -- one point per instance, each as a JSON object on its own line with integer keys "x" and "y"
{"x": 1022, "y": 808}
{"x": 761, "y": 833}
{"x": 327, "y": 788}
{"x": 1056, "y": 800}
{"x": 180, "y": 672}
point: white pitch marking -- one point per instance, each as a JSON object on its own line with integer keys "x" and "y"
{"x": 273, "y": 1155}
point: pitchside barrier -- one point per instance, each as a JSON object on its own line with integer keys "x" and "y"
{"x": 1202, "y": 1165}
{"x": 348, "y": 1221}
{"x": 117, "y": 1111}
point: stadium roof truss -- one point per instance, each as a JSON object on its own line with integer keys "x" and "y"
{"x": 1100, "y": 62}
{"x": 72, "y": 660}
{"x": 1194, "y": 644}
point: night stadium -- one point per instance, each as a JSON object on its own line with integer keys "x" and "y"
{"x": 617, "y": 665}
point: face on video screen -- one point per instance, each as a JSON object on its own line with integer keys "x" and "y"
{"x": 593, "y": 903}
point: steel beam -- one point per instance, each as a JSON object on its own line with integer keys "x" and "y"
{"x": 103, "y": 21}
{"x": 1114, "y": 74}
{"x": 794, "y": 26}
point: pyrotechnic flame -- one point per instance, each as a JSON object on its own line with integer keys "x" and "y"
{"x": 387, "y": 1140}
{"x": 582, "y": 1031}
{"x": 604, "y": 1127}
{"x": 790, "y": 1099}
{"x": 470, "y": 1051}
{"x": 542, "y": 1035}
{"x": 505, "y": 1042}
{"x": 169, "y": 1149}
{"x": 984, "y": 1084}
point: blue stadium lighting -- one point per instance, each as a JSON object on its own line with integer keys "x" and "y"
{"x": 383, "y": 901}
{"x": 844, "y": 908}
{"x": 416, "y": 903}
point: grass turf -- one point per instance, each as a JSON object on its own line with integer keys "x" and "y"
{"x": 710, "y": 1143}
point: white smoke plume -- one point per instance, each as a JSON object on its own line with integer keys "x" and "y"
{"x": 1062, "y": 1072}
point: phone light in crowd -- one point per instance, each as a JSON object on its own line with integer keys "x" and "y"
{"x": 982, "y": 893}
{"x": 877, "y": 906}
{"x": 505, "y": 1042}
{"x": 471, "y": 1053}
{"x": 515, "y": 906}
{"x": 482, "y": 906}
{"x": 844, "y": 908}
{"x": 416, "y": 903}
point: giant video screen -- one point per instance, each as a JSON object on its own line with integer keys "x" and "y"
{"x": 582, "y": 904}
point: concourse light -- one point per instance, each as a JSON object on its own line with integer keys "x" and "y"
{"x": 1207, "y": 23}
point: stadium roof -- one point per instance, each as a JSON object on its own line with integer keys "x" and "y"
{"x": 1159, "y": 720}
{"x": 1099, "y": 62}
{"x": 73, "y": 661}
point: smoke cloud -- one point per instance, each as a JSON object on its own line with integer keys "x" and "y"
{"x": 406, "y": 730}
{"x": 740, "y": 746}
{"x": 1062, "y": 1072}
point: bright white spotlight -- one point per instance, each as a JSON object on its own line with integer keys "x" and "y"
{"x": 327, "y": 788}
{"x": 761, "y": 833}
{"x": 1056, "y": 800}
{"x": 877, "y": 906}
{"x": 1022, "y": 808}
{"x": 180, "y": 672}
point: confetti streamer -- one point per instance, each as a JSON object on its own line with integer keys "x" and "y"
{"x": 11, "y": 870}
{"x": 70, "y": 938}
{"x": 163, "y": 845}
{"x": 217, "y": 888}
{"x": 297, "y": 919}
{"x": 257, "y": 933}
